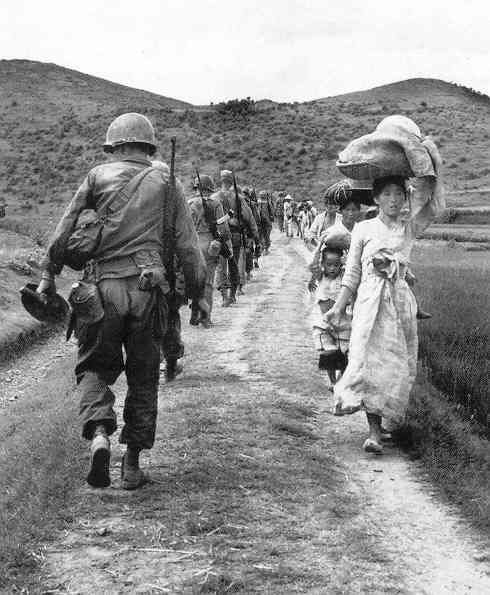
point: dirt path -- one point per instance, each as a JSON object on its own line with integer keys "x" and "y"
{"x": 256, "y": 487}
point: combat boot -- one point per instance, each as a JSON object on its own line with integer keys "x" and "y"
{"x": 100, "y": 457}
{"x": 195, "y": 316}
{"x": 172, "y": 369}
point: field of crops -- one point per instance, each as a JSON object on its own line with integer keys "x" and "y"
{"x": 454, "y": 285}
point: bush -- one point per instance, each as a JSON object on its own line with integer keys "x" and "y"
{"x": 237, "y": 107}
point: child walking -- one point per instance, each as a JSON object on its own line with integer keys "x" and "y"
{"x": 326, "y": 282}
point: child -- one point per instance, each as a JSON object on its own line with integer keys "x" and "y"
{"x": 326, "y": 280}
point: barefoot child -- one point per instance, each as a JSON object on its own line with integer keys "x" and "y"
{"x": 331, "y": 344}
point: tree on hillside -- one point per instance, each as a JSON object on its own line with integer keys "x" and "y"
{"x": 237, "y": 107}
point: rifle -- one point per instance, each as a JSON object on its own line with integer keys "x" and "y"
{"x": 199, "y": 185}
{"x": 238, "y": 210}
{"x": 169, "y": 213}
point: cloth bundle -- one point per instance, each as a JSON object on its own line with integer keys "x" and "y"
{"x": 394, "y": 148}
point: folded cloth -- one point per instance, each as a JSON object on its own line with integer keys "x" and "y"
{"x": 394, "y": 148}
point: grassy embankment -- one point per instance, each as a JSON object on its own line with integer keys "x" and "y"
{"x": 450, "y": 429}
{"x": 39, "y": 468}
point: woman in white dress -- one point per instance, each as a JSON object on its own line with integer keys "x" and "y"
{"x": 383, "y": 344}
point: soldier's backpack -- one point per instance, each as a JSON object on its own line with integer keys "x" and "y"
{"x": 83, "y": 242}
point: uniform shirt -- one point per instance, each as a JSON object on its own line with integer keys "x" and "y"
{"x": 266, "y": 211}
{"x": 227, "y": 199}
{"x": 136, "y": 225}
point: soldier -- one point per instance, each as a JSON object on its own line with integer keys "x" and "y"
{"x": 144, "y": 220}
{"x": 266, "y": 213}
{"x": 212, "y": 229}
{"x": 240, "y": 222}
{"x": 252, "y": 251}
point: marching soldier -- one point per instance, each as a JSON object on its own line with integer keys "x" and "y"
{"x": 142, "y": 221}
{"x": 212, "y": 229}
{"x": 241, "y": 221}
{"x": 266, "y": 214}
{"x": 252, "y": 251}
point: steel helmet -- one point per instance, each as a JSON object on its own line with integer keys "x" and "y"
{"x": 207, "y": 184}
{"x": 130, "y": 128}
{"x": 46, "y": 307}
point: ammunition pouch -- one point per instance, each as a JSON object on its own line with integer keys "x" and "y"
{"x": 82, "y": 244}
{"x": 87, "y": 307}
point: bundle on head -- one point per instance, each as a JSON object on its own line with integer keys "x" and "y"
{"x": 394, "y": 148}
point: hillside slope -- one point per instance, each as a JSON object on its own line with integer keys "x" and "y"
{"x": 53, "y": 121}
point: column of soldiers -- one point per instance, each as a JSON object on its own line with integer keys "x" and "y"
{"x": 145, "y": 251}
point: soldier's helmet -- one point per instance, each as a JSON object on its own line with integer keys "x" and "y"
{"x": 130, "y": 128}
{"x": 207, "y": 184}
{"x": 227, "y": 175}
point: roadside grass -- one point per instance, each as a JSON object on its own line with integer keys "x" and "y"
{"x": 454, "y": 285}
{"x": 457, "y": 234}
{"x": 448, "y": 423}
{"x": 454, "y": 451}
{"x": 40, "y": 467}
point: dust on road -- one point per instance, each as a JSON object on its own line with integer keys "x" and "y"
{"x": 256, "y": 487}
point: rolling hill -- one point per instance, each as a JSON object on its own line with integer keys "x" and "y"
{"x": 53, "y": 121}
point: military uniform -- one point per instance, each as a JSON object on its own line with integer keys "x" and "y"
{"x": 131, "y": 241}
{"x": 210, "y": 224}
{"x": 252, "y": 251}
{"x": 266, "y": 218}
{"x": 226, "y": 277}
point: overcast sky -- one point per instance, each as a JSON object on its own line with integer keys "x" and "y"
{"x": 296, "y": 50}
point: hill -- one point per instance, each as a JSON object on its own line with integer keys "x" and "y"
{"x": 53, "y": 121}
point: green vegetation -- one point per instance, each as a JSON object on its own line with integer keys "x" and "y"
{"x": 40, "y": 466}
{"x": 453, "y": 451}
{"x": 53, "y": 121}
{"x": 455, "y": 344}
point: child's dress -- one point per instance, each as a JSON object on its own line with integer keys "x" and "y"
{"x": 325, "y": 338}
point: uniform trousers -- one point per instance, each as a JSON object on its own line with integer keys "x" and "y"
{"x": 124, "y": 340}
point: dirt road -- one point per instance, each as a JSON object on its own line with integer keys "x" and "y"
{"x": 256, "y": 487}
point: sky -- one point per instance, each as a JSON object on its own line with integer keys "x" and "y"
{"x": 213, "y": 50}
